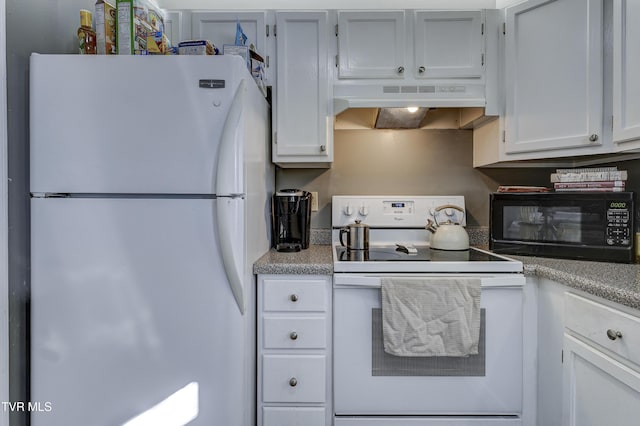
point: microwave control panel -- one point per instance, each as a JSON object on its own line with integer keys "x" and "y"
{"x": 618, "y": 224}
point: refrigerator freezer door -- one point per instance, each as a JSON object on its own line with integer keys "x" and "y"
{"x": 131, "y": 306}
{"x": 129, "y": 124}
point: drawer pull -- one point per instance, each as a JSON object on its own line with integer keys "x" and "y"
{"x": 293, "y": 382}
{"x": 614, "y": 334}
{"x": 293, "y": 297}
{"x": 293, "y": 335}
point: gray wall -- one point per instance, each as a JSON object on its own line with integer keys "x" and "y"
{"x": 32, "y": 26}
{"x": 406, "y": 162}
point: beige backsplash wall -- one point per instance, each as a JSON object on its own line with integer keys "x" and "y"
{"x": 405, "y": 162}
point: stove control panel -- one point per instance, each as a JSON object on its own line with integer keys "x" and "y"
{"x": 395, "y": 211}
{"x": 398, "y": 207}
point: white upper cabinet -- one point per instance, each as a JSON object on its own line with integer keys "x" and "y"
{"x": 175, "y": 27}
{"x": 220, "y": 28}
{"x": 398, "y": 44}
{"x": 626, "y": 77}
{"x": 303, "y": 113}
{"x": 371, "y": 44}
{"x": 554, "y": 79}
{"x": 448, "y": 44}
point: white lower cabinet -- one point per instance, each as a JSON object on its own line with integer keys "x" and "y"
{"x": 294, "y": 350}
{"x": 601, "y": 370}
{"x": 598, "y": 389}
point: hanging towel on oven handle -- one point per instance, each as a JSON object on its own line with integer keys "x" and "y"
{"x": 431, "y": 316}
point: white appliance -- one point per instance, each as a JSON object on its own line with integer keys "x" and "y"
{"x": 374, "y": 388}
{"x": 150, "y": 182}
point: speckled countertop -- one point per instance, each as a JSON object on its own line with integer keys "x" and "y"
{"x": 616, "y": 282}
{"x": 316, "y": 260}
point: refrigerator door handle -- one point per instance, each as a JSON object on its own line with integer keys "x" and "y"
{"x": 226, "y": 216}
{"x": 228, "y": 186}
{"x": 229, "y": 167}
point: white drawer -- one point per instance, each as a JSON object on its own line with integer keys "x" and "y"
{"x": 295, "y": 332}
{"x": 288, "y": 378}
{"x": 293, "y": 416}
{"x": 295, "y": 295}
{"x": 597, "y": 322}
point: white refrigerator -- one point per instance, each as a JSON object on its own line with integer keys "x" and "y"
{"x": 150, "y": 184}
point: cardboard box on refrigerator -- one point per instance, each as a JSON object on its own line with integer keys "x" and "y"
{"x": 255, "y": 62}
{"x": 197, "y": 47}
{"x": 140, "y": 26}
{"x": 105, "y": 14}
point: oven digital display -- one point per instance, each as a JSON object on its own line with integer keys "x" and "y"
{"x": 398, "y": 207}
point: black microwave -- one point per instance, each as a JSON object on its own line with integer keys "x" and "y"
{"x": 573, "y": 225}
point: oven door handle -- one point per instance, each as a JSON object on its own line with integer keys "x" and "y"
{"x": 356, "y": 281}
{"x": 367, "y": 281}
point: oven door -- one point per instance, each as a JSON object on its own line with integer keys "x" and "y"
{"x": 369, "y": 382}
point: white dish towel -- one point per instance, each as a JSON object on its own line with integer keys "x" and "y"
{"x": 431, "y": 316}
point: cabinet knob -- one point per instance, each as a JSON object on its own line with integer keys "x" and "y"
{"x": 593, "y": 137}
{"x": 323, "y": 148}
{"x": 293, "y": 382}
{"x": 421, "y": 70}
{"x": 293, "y": 335}
{"x": 614, "y": 334}
{"x": 400, "y": 70}
{"x": 293, "y": 297}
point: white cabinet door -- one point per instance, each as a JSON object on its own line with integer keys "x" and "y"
{"x": 303, "y": 131}
{"x": 448, "y": 44}
{"x": 174, "y": 27}
{"x": 598, "y": 390}
{"x": 554, "y": 77}
{"x": 371, "y": 44}
{"x": 220, "y": 28}
{"x": 626, "y": 81}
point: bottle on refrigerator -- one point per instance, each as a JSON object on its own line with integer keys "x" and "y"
{"x": 86, "y": 34}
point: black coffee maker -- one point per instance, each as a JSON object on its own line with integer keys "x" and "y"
{"x": 291, "y": 219}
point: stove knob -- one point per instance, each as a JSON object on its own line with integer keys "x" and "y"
{"x": 364, "y": 210}
{"x": 348, "y": 210}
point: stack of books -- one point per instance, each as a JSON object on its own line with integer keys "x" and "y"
{"x": 591, "y": 179}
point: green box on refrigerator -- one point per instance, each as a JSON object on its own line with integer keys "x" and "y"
{"x": 139, "y": 22}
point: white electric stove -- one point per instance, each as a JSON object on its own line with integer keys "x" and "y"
{"x": 372, "y": 387}
{"x": 399, "y": 241}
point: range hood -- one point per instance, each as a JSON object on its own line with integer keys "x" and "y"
{"x": 403, "y": 95}
{"x": 463, "y": 118}
{"x": 400, "y": 118}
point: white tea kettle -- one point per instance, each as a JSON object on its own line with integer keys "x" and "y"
{"x": 447, "y": 235}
